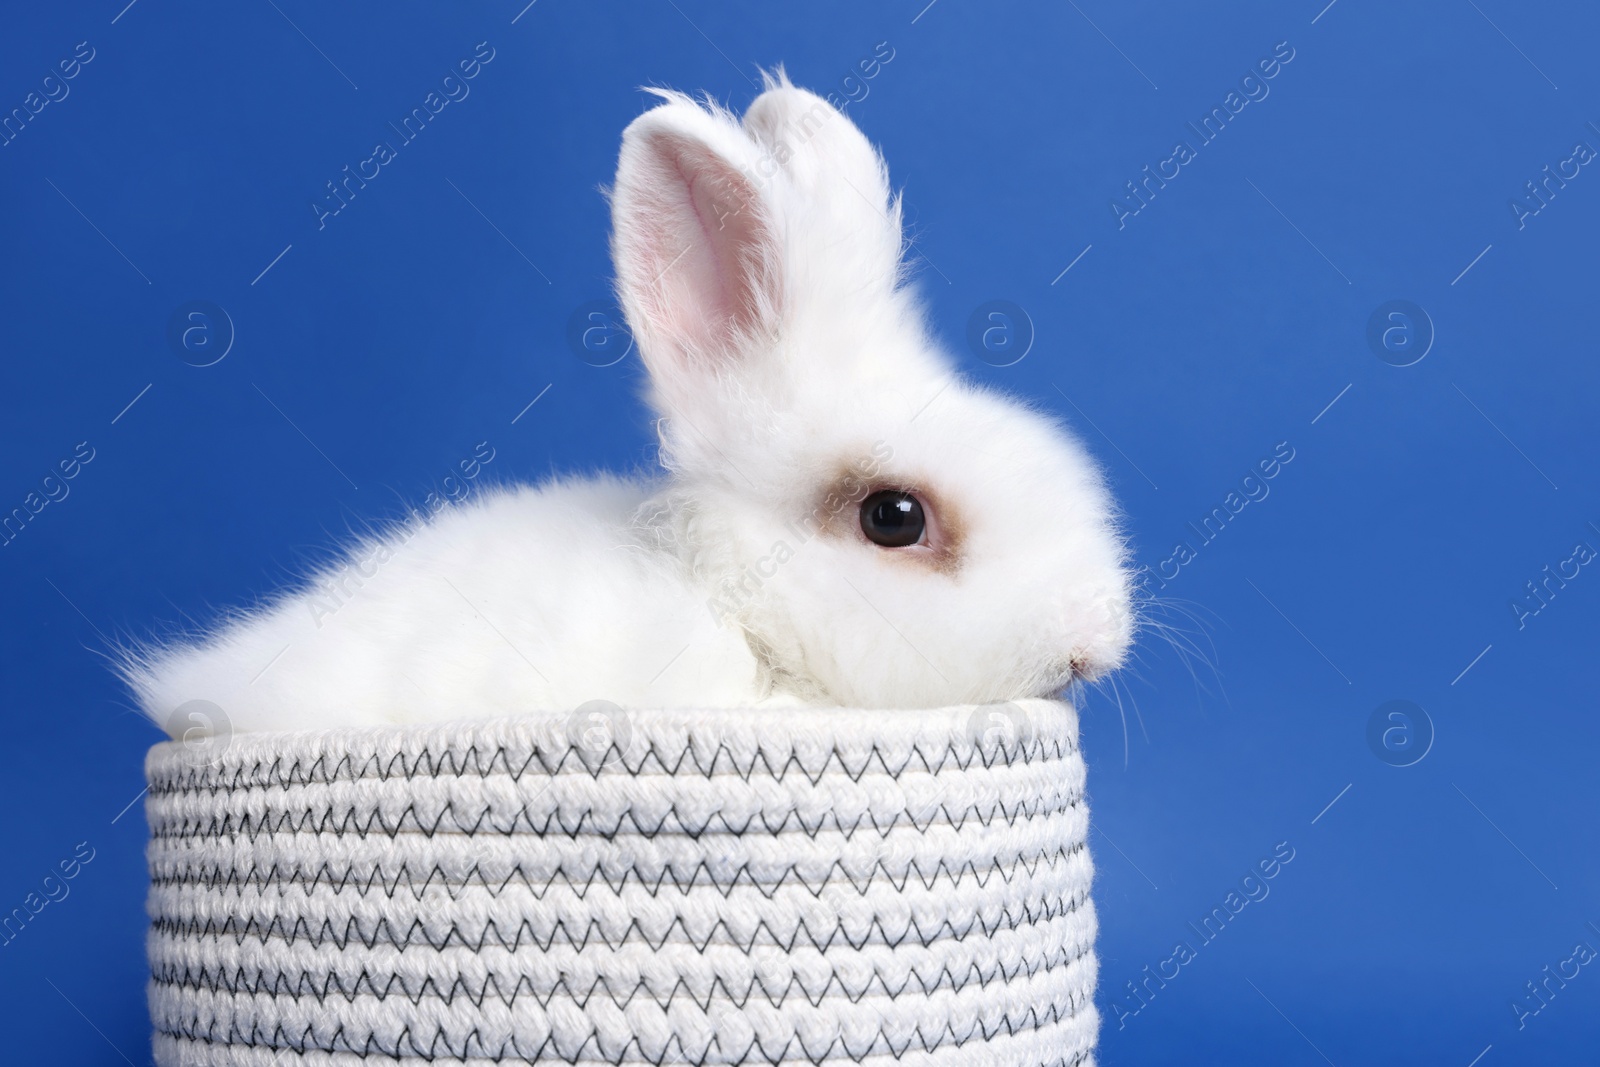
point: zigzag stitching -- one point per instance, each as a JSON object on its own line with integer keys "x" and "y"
{"x": 210, "y": 878}
{"x": 721, "y": 761}
{"x": 405, "y": 1040}
{"x": 327, "y": 821}
{"x": 187, "y": 978}
{"x": 1049, "y": 909}
{"x": 186, "y": 779}
{"x": 1079, "y": 1058}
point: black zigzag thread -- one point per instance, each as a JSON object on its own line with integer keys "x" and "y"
{"x": 350, "y": 822}
{"x": 409, "y": 1045}
{"x": 329, "y": 985}
{"x": 197, "y": 870}
{"x": 484, "y": 762}
{"x": 178, "y": 777}
{"x": 668, "y": 1058}
{"x": 217, "y": 879}
{"x": 1050, "y": 936}
{"x": 417, "y": 935}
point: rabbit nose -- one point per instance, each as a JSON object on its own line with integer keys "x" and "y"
{"x": 1088, "y": 666}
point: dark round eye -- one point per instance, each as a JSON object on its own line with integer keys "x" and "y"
{"x": 893, "y": 519}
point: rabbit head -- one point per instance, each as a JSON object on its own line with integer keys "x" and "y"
{"x": 885, "y": 533}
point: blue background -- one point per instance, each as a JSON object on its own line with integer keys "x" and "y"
{"x": 1220, "y": 320}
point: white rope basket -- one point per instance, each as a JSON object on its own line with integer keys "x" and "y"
{"x": 703, "y": 887}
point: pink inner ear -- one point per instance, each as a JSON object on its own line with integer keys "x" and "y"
{"x": 710, "y": 241}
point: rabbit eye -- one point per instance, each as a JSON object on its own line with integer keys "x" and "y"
{"x": 893, "y": 519}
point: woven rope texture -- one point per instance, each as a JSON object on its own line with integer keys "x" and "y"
{"x": 667, "y": 887}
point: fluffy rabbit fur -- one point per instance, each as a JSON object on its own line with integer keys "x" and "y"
{"x": 759, "y": 265}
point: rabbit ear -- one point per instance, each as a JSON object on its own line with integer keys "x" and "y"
{"x": 693, "y": 243}
{"x": 839, "y": 177}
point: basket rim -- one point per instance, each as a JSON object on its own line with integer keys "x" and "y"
{"x": 690, "y": 716}
{"x": 767, "y": 730}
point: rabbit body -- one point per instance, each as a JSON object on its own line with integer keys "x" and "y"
{"x": 809, "y": 425}
{"x": 523, "y": 598}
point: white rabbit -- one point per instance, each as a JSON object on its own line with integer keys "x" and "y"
{"x": 842, "y": 520}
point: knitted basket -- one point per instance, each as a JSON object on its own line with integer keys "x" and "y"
{"x": 704, "y": 887}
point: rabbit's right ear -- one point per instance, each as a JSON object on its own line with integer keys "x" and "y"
{"x": 694, "y": 246}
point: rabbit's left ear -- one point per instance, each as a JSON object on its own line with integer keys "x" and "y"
{"x": 693, "y": 240}
{"x": 852, "y": 220}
